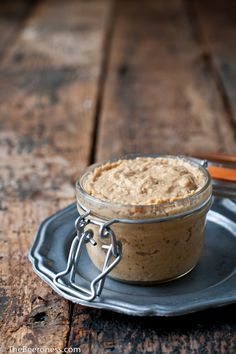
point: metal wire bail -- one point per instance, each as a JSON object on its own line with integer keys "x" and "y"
{"x": 65, "y": 280}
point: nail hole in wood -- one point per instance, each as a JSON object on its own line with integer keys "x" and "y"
{"x": 40, "y": 317}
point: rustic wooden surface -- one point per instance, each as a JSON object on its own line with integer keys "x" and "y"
{"x": 173, "y": 102}
{"x": 86, "y": 80}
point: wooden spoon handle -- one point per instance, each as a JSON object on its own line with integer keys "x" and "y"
{"x": 216, "y": 157}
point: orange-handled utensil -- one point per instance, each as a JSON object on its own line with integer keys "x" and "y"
{"x": 220, "y": 166}
{"x": 222, "y": 173}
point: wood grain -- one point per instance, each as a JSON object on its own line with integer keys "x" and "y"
{"x": 49, "y": 86}
{"x": 97, "y": 332}
{"x": 217, "y": 28}
{"x": 11, "y": 16}
{"x": 160, "y": 95}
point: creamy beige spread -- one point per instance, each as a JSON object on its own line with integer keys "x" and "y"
{"x": 145, "y": 180}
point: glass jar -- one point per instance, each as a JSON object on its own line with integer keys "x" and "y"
{"x": 159, "y": 242}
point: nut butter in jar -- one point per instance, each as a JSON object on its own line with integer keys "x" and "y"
{"x": 160, "y": 203}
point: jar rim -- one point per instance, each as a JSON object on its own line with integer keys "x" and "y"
{"x": 99, "y": 202}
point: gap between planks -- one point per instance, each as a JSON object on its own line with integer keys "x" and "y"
{"x": 102, "y": 79}
{"x": 107, "y": 42}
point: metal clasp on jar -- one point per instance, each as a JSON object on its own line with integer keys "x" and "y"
{"x": 65, "y": 280}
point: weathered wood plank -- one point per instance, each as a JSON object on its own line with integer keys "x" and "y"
{"x": 97, "y": 332}
{"x": 11, "y": 16}
{"x": 217, "y": 26}
{"x": 160, "y": 95}
{"x": 49, "y": 87}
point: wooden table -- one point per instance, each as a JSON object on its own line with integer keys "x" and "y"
{"x": 82, "y": 81}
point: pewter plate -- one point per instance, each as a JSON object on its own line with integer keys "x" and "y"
{"x": 211, "y": 284}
